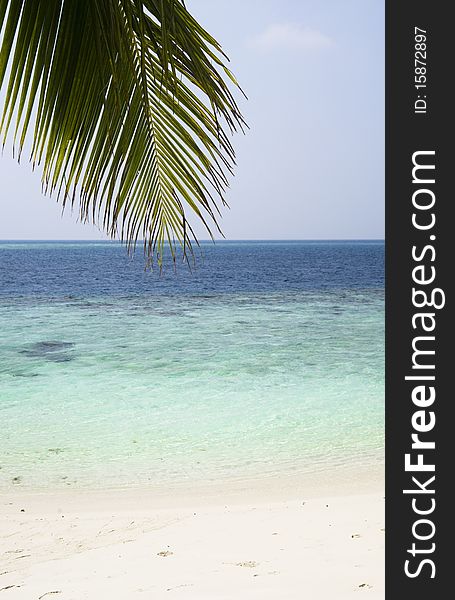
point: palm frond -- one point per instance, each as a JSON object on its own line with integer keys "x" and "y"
{"x": 131, "y": 108}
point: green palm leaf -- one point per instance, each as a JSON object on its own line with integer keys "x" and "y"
{"x": 131, "y": 109}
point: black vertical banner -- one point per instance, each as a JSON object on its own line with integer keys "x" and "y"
{"x": 420, "y": 438}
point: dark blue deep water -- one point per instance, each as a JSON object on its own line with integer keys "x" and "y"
{"x": 87, "y": 269}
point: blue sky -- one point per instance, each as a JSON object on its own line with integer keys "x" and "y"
{"x": 312, "y": 163}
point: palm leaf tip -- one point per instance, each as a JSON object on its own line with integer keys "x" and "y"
{"x": 129, "y": 106}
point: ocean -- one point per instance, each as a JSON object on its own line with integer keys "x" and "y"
{"x": 265, "y": 359}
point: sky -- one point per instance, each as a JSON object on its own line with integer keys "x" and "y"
{"x": 311, "y": 165}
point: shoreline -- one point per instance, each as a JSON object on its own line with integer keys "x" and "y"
{"x": 272, "y": 487}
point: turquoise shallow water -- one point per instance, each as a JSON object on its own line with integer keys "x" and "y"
{"x": 141, "y": 380}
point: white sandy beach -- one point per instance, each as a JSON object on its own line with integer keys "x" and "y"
{"x": 243, "y": 545}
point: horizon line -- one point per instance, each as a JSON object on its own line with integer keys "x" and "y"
{"x": 139, "y": 242}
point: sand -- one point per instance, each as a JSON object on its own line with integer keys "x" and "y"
{"x": 136, "y": 544}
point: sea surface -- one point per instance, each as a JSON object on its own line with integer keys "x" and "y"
{"x": 267, "y": 358}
